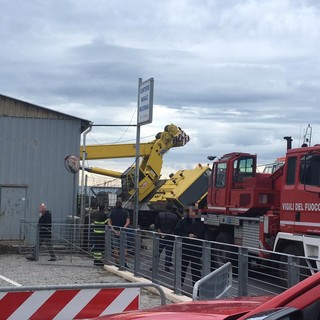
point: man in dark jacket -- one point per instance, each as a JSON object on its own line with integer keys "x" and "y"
{"x": 119, "y": 220}
{"x": 165, "y": 223}
{"x": 191, "y": 228}
{"x": 44, "y": 227}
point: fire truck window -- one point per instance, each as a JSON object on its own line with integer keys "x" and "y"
{"x": 242, "y": 168}
{"x": 291, "y": 170}
{"x": 221, "y": 175}
{"x": 310, "y": 170}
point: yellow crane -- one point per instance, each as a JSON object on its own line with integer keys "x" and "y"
{"x": 183, "y": 188}
{"x": 152, "y": 159}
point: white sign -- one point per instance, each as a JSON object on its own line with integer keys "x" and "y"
{"x": 145, "y": 102}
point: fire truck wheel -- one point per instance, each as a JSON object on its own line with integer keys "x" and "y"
{"x": 224, "y": 251}
{"x": 294, "y": 250}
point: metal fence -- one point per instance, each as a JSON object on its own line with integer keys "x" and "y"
{"x": 214, "y": 285}
{"x": 139, "y": 252}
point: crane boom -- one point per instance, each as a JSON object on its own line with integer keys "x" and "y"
{"x": 105, "y": 172}
{"x": 171, "y": 137}
{"x": 111, "y": 151}
{"x": 152, "y": 159}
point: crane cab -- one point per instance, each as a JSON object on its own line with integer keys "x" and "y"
{"x": 237, "y": 188}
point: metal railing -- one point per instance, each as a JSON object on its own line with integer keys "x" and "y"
{"x": 214, "y": 285}
{"x": 138, "y": 252}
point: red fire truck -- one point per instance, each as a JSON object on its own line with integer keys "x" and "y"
{"x": 277, "y": 211}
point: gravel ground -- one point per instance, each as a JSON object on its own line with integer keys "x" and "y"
{"x": 16, "y": 270}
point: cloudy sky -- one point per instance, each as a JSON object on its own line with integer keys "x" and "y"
{"x": 236, "y": 75}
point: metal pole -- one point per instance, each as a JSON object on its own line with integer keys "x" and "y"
{"x": 137, "y": 169}
{"x": 178, "y": 263}
{"x": 243, "y": 276}
{"x": 82, "y": 174}
{"x": 37, "y": 248}
{"x": 75, "y": 200}
{"x": 137, "y": 251}
{"x": 74, "y": 196}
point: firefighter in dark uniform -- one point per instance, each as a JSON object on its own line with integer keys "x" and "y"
{"x": 191, "y": 228}
{"x": 99, "y": 225}
{"x": 165, "y": 223}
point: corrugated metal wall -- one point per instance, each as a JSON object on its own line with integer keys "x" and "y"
{"x": 32, "y": 163}
{"x": 10, "y": 107}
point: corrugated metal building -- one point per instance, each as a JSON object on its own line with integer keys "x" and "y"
{"x": 34, "y": 144}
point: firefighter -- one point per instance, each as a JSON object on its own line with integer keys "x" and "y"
{"x": 165, "y": 223}
{"x": 191, "y": 228}
{"x": 100, "y": 221}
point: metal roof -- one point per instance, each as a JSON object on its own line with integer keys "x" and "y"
{"x": 11, "y": 107}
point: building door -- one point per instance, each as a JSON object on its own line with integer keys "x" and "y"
{"x": 12, "y": 210}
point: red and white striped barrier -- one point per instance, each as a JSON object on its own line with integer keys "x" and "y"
{"x": 67, "y": 304}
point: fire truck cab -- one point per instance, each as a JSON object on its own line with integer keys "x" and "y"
{"x": 276, "y": 211}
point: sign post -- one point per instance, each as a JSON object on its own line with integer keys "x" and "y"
{"x": 144, "y": 116}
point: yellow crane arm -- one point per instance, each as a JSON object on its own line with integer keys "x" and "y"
{"x": 111, "y": 151}
{"x": 171, "y": 137}
{"x": 151, "y": 153}
{"x": 104, "y": 172}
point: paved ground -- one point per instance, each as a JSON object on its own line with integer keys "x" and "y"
{"x": 16, "y": 270}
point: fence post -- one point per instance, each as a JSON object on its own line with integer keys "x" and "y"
{"x": 37, "y": 246}
{"x": 293, "y": 271}
{"x": 206, "y": 258}
{"x": 22, "y": 223}
{"x": 122, "y": 248}
{"x": 107, "y": 246}
{"x": 177, "y": 270}
{"x": 86, "y": 237}
{"x": 137, "y": 252}
{"x": 243, "y": 271}
{"x": 155, "y": 256}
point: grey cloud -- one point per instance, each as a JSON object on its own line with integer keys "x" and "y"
{"x": 238, "y": 75}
